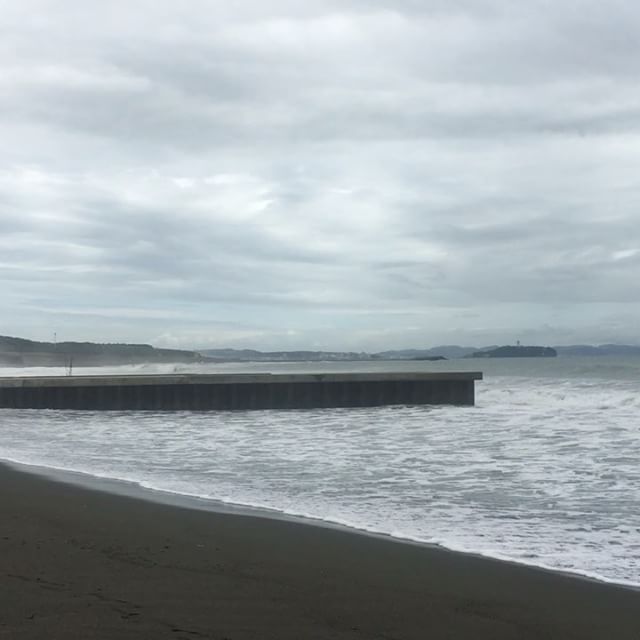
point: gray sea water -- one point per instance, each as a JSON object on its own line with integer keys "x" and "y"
{"x": 544, "y": 470}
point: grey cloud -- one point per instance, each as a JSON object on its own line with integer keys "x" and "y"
{"x": 336, "y": 173}
{"x": 209, "y": 91}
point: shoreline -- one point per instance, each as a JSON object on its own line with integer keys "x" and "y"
{"x": 81, "y": 562}
{"x": 138, "y": 491}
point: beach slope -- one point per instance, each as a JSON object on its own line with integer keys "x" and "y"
{"x": 81, "y": 563}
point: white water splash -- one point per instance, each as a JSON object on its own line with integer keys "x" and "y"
{"x": 543, "y": 470}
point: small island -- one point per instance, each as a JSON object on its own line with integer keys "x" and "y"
{"x": 517, "y": 351}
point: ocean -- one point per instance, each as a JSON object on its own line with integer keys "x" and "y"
{"x": 544, "y": 470}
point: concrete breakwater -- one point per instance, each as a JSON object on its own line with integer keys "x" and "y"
{"x": 187, "y": 392}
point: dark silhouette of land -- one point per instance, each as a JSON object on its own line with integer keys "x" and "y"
{"x": 442, "y": 352}
{"x": 517, "y": 351}
{"x": 19, "y": 352}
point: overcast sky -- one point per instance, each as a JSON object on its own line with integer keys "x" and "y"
{"x": 336, "y": 174}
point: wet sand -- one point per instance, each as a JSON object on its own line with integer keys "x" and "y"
{"x": 80, "y": 563}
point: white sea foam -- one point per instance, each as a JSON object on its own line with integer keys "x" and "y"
{"x": 542, "y": 471}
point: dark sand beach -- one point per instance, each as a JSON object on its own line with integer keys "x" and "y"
{"x": 81, "y": 563}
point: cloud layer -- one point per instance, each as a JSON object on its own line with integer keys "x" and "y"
{"x": 360, "y": 175}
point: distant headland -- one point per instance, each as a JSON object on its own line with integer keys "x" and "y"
{"x": 18, "y": 352}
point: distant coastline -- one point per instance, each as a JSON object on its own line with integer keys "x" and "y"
{"x": 20, "y": 352}
{"x": 443, "y": 352}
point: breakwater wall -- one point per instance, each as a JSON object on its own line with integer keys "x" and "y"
{"x": 189, "y": 392}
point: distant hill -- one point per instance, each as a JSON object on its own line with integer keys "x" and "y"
{"x": 601, "y": 350}
{"x": 251, "y": 355}
{"x": 517, "y": 351}
{"x": 450, "y": 351}
{"x": 21, "y": 352}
